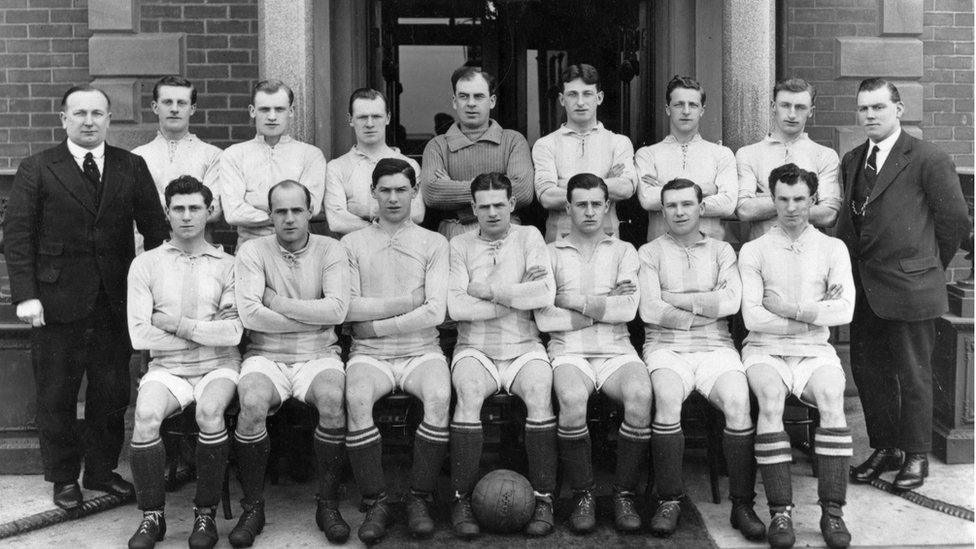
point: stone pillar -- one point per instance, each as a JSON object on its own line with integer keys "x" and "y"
{"x": 952, "y": 382}
{"x": 748, "y": 69}
{"x": 285, "y": 44}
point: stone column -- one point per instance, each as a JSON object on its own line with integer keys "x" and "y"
{"x": 285, "y": 44}
{"x": 748, "y": 69}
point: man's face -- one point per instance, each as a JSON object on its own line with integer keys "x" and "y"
{"x": 586, "y": 208}
{"x": 791, "y": 111}
{"x": 174, "y": 108}
{"x": 290, "y": 215}
{"x": 878, "y": 114}
{"x": 473, "y": 102}
{"x": 85, "y": 118}
{"x": 682, "y": 211}
{"x": 394, "y": 193}
{"x": 187, "y": 215}
{"x": 685, "y": 110}
{"x": 792, "y": 204}
{"x": 271, "y": 113}
{"x": 494, "y": 211}
{"x": 580, "y": 101}
{"x": 369, "y": 120}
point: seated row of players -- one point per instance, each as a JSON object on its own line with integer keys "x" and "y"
{"x": 392, "y": 282}
{"x": 733, "y": 186}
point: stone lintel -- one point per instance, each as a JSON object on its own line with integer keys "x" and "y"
{"x": 901, "y": 17}
{"x": 113, "y": 15}
{"x": 125, "y": 95}
{"x": 130, "y": 136}
{"x": 137, "y": 55}
{"x": 862, "y": 57}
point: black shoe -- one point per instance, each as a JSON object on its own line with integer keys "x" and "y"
{"x": 541, "y": 522}
{"x": 665, "y": 519}
{"x": 419, "y": 522}
{"x": 744, "y": 519}
{"x": 67, "y": 495}
{"x": 111, "y": 483}
{"x": 582, "y": 519}
{"x": 462, "y": 519}
{"x": 833, "y": 528}
{"x": 328, "y": 519}
{"x": 151, "y": 529}
{"x": 780, "y": 534}
{"x": 378, "y": 517}
{"x": 625, "y": 516}
{"x": 913, "y": 472}
{"x": 204, "y": 533}
{"x": 880, "y": 461}
{"x": 249, "y": 526}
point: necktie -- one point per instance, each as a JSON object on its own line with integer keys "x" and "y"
{"x": 91, "y": 172}
{"x": 871, "y": 169}
{"x": 859, "y": 199}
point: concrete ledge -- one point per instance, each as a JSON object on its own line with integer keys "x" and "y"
{"x": 125, "y": 95}
{"x": 138, "y": 55}
{"x": 860, "y": 57}
{"x": 130, "y": 136}
{"x": 901, "y": 17}
{"x": 113, "y": 15}
{"x": 849, "y": 137}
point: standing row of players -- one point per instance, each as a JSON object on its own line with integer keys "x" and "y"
{"x": 392, "y": 282}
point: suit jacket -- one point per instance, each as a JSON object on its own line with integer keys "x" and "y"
{"x": 59, "y": 248}
{"x": 913, "y": 223}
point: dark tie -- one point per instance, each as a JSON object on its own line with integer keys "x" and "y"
{"x": 871, "y": 170}
{"x": 91, "y": 171}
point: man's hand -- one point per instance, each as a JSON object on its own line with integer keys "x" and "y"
{"x": 779, "y": 306}
{"x": 535, "y": 272}
{"x": 363, "y": 330}
{"x": 615, "y": 171}
{"x": 268, "y": 297}
{"x": 32, "y": 312}
{"x": 572, "y": 302}
{"x": 227, "y": 312}
{"x": 165, "y": 322}
{"x": 480, "y": 290}
{"x": 419, "y": 297}
{"x": 833, "y": 292}
{"x": 651, "y": 180}
{"x": 441, "y": 173}
{"x": 359, "y": 210}
{"x": 623, "y": 287}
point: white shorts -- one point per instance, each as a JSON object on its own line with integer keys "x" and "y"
{"x": 698, "y": 371}
{"x": 503, "y": 371}
{"x": 397, "y": 369}
{"x": 795, "y": 371}
{"x": 598, "y": 369}
{"x": 186, "y": 389}
{"x": 291, "y": 380}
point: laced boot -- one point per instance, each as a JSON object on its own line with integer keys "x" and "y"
{"x": 151, "y": 529}
{"x": 248, "y": 526}
{"x": 328, "y": 519}
{"x": 204, "y": 533}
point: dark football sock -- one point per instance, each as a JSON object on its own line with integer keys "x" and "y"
{"x": 330, "y": 452}
{"x": 212, "y": 452}
{"x": 540, "y": 447}
{"x": 149, "y": 474}
{"x": 667, "y": 452}
{"x": 738, "y": 447}
{"x": 833, "y": 449}
{"x": 467, "y": 440}
{"x": 576, "y": 456}
{"x": 632, "y": 444}
{"x": 365, "y": 449}
{"x": 429, "y": 449}
{"x": 774, "y": 455}
{"x": 252, "y": 462}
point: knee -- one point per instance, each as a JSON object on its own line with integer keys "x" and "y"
{"x": 637, "y": 397}
{"x": 359, "y": 400}
{"x": 736, "y": 407}
{"x": 668, "y": 401}
{"x": 470, "y": 393}
{"x": 572, "y": 405}
{"x": 210, "y": 415}
{"x": 771, "y": 397}
{"x": 254, "y": 405}
{"x": 146, "y": 424}
{"x": 830, "y": 401}
{"x": 437, "y": 400}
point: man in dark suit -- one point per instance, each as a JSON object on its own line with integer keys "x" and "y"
{"x": 68, "y": 245}
{"x": 902, "y": 220}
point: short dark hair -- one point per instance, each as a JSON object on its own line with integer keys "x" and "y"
{"x": 681, "y": 183}
{"x": 290, "y": 184}
{"x": 271, "y": 86}
{"x": 467, "y": 72}
{"x": 493, "y": 181}
{"x": 393, "y": 166}
{"x": 795, "y": 85}
{"x": 84, "y": 88}
{"x": 187, "y": 184}
{"x": 871, "y": 84}
{"x": 175, "y": 81}
{"x": 686, "y": 82}
{"x": 369, "y": 94}
{"x": 586, "y": 181}
{"x": 587, "y": 73}
{"x": 791, "y": 174}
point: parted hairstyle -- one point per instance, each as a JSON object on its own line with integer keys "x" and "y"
{"x": 272, "y": 86}
{"x": 467, "y": 72}
{"x": 84, "y": 88}
{"x": 493, "y": 181}
{"x": 187, "y": 184}
{"x": 871, "y": 84}
{"x": 791, "y": 174}
{"x": 393, "y": 166}
{"x": 681, "y": 183}
{"x": 290, "y": 184}
{"x": 368, "y": 94}
{"x": 586, "y": 181}
{"x": 795, "y": 85}
{"x": 686, "y": 82}
{"x": 587, "y": 73}
{"x": 175, "y": 81}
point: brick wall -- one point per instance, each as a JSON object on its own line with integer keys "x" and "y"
{"x": 947, "y": 37}
{"x": 43, "y": 49}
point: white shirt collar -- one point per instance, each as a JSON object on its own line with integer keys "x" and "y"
{"x": 887, "y": 143}
{"x": 79, "y": 152}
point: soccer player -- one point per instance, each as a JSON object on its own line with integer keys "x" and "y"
{"x": 349, "y": 204}
{"x": 796, "y": 283}
{"x": 292, "y": 289}
{"x": 684, "y": 154}
{"x": 581, "y": 145}
{"x": 689, "y": 285}
{"x": 473, "y": 145}
{"x": 175, "y": 151}
{"x": 249, "y": 169}
{"x": 499, "y": 274}
{"x": 596, "y": 282}
{"x": 791, "y": 107}
{"x": 398, "y": 273}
